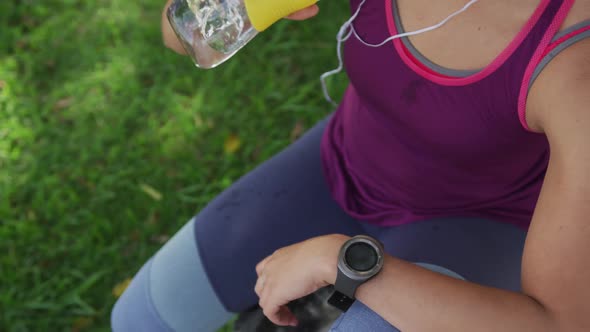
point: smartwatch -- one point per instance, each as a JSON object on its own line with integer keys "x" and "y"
{"x": 360, "y": 259}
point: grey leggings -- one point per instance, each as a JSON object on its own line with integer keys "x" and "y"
{"x": 205, "y": 273}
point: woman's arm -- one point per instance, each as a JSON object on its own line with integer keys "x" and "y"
{"x": 555, "y": 293}
{"x": 556, "y": 260}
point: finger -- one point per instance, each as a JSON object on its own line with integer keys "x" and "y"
{"x": 305, "y": 13}
{"x": 260, "y": 266}
{"x": 286, "y": 316}
{"x": 271, "y": 313}
{"x": 281, "y": 315}
{"x": 259, "y": 285}
{"x": 275, "y": 310}
{"x": 264, "y": 295}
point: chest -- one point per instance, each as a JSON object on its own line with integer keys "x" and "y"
{"x": 471, "y": 40}
{"x": 399, "y": 105}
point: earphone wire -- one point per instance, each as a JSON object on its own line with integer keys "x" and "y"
{"x": 347, "y": 30}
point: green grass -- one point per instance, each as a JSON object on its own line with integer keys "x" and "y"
{"x": 94, "y": 110}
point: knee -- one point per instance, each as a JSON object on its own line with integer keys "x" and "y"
{"x": 135, "y": 311}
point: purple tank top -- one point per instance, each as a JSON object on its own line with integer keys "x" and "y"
{"x": 408, "y": 144}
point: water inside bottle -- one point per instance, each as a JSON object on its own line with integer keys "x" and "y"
{"x": 211, "y": 30}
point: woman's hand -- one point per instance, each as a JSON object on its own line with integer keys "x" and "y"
{"x": 305, "y": 13}
{"x": 169, "y": 37}
{"x": 295, "y": 271}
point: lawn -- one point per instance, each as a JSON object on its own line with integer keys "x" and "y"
{"x": 109, "y": 142}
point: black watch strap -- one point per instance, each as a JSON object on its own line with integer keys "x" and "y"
{"x": 340, "y": 301}
{"x": 343, "y": 296}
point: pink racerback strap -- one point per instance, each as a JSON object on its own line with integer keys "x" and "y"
{"x": 542, "y": 49}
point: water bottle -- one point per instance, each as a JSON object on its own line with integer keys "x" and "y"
{"x": 212, "y": 31}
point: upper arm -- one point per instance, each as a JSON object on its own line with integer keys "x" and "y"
{"x": 556, "y": 262}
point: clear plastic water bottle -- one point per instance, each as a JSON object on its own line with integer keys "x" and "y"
{"x": 212, "y": 31}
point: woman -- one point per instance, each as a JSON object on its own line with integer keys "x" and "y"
{"x": 448, "y": 168}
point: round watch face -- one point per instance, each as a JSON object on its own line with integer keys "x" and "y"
{"x": 361, "y": 256}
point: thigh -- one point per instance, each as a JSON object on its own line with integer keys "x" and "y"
{"x": 283, "y": 201}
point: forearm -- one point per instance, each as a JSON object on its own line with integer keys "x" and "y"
{"x": 415, "y": 299}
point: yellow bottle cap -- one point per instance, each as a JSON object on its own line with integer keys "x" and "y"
{"x": 264, "y": 13}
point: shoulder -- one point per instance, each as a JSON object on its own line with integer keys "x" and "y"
{"x": 580, "y": 12}
{"x": 565, "y": 81}
{"x": 561, "y": 93}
